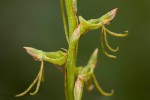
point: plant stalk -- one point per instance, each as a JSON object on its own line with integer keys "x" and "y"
{"x": 72, "y": 20}
{"x": 72, "y": 51}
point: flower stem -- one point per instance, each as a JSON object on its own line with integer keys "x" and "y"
{"x": 72, "y": 21}
{"x": 71, "y": 63}
{"x": 72, "y": 52}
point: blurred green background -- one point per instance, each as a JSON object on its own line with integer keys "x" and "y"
{"x": 37, "y": 23}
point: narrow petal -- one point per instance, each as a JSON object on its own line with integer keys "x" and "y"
{"x": 40, "y": 79}
{"x": 29, "y": 88}
{"x": 117, "y": 34}
{"x": 107, "y": 44}
{"x": 102, "y": 45}
{"x": 100, "y": 89}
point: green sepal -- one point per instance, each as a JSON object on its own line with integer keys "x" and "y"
{"x": 35, "y": 53}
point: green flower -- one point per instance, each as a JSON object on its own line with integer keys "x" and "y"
{"x": 56, "y": 58}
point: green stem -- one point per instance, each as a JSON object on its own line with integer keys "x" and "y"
{"x": 72, "y": 52}
{"x": 72, "y": 21}
{"x": 71, "y": 62}
{"x": 64, "y": 19}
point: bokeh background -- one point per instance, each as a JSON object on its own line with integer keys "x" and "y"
{"x": 37, "y": 23}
